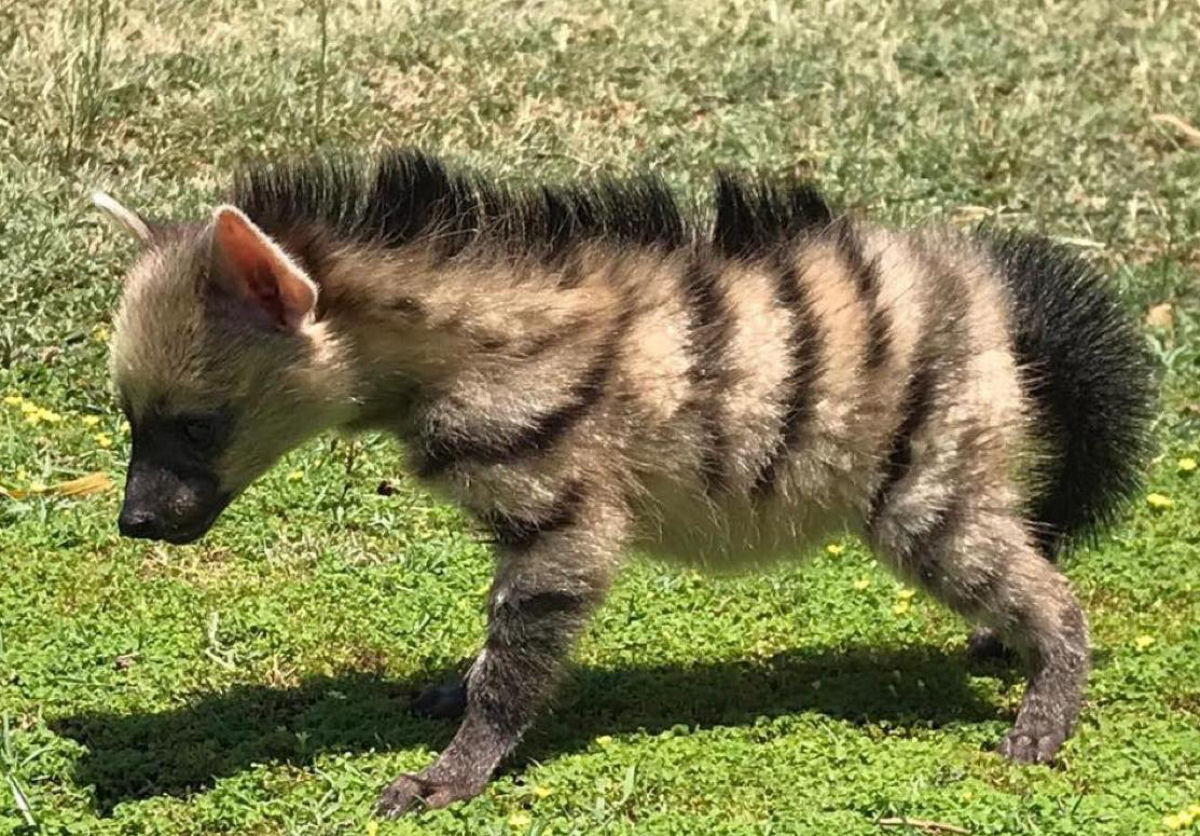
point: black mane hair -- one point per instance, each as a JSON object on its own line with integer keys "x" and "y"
{"x": 401, "y": 196}
{"x": 752, "y": 217}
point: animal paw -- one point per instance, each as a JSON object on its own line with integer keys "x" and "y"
{"x": 1032, "y": 744}
{"x": 410, "y": 793}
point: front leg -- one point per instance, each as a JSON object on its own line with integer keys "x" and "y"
{"x": 553, "y": 570}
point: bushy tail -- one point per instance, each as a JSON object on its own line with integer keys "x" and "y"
{"x": 1086, "y": 368}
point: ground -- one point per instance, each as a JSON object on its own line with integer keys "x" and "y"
{"x": 257, "y": 682}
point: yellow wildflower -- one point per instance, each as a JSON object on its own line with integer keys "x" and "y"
{"x": 900, "y": 607}
{"x": 1182, "y": 819}
{"x": 100, "y": 334}
{"x": 1143, "y": 642}
{"x": 29, "y": 407}
{"x": 14, "y": 400}
{"x": 372, "y": 828}
{"x": 604, "y": 740}
{"x": 1159, "y": 501}
{"x": 90, "y": 420}
{"x": 49, "y": 416}
{"x": 862, "y": 583}
{"x": 906, "y": 593}
{"x": 835, "y": 549}
{"x": 519, "y": 820}
{"x": 295, "y": 476}
{"x": 103, "y": 439}
{"x": 542, "y": 792}
{"x": 1187, "y": 464}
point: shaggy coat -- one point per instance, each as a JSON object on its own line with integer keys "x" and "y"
{"x": 586, "y": 371}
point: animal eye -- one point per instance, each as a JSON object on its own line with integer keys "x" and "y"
{"x": 200, "y": 430}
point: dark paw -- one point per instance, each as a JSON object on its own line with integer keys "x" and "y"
{"x": 1025, "y": 744}
{"x": 413, "y": 793}
{"x": 441, "y": 702}
{"x": 984, "y": 646}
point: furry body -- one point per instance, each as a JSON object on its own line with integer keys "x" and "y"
{"x": 585, "y": 371}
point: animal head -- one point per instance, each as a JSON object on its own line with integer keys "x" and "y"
{"x": 219, "y": 364}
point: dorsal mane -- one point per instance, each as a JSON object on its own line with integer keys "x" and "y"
{"x": 403, "y": 196}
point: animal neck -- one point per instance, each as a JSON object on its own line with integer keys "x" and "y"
{"x": 414, "y": 327}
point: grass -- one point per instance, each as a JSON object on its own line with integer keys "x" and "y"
{"x": 257, "y": 682}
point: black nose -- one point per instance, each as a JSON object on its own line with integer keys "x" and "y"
{"x": 140, "y": 523}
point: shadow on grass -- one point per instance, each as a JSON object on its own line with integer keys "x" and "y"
{"x": 133, "y": 756}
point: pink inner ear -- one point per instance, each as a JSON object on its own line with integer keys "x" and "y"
{"x": 259, "y": 272}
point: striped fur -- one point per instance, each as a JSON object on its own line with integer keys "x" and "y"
{"x": 587, "y": 370}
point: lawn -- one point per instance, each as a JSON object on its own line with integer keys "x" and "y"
{"x": 258, "y": 682}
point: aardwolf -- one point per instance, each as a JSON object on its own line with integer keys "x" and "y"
{"x": 587, "y": 369}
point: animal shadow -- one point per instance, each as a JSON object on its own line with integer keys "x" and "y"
{"x": 184, "y": 750}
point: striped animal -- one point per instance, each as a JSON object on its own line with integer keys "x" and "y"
{"x": 587, "y": 370}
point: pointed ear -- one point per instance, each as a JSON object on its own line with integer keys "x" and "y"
{"x": 122, "y": 217}
{"x": 258, "y": 273}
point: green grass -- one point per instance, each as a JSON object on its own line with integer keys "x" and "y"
{"x": 257, "y": 682}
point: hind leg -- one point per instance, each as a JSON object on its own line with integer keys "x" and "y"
{"x": 982, "y": 564}
{"x": 985, "y": 644}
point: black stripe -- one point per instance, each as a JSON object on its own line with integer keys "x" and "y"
{"x": 536, "y": 627}
{"x": 553, "y": 602}
{"x": 805, "y": 352}
{"x": 442, "y": 451}
{"x": 918, "y": 403}
{"x": 709, "y": 328}
{"x": 518, "y": 534}
{"x": 866, "y": 281}
{"x": 879, "y": 336}
{"x": 940, "y": 353}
